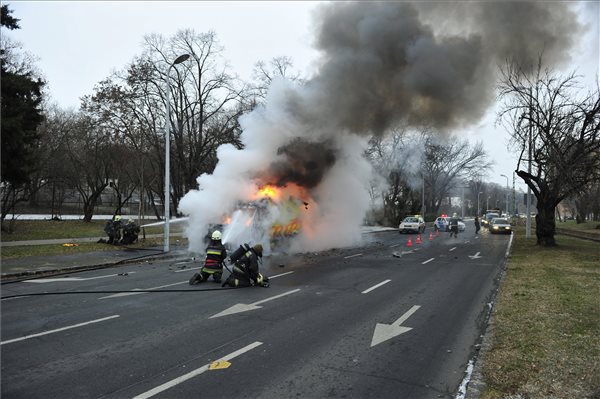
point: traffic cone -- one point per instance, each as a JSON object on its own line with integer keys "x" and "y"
{"x": 409, "y": 243}
{"x": 419, "y": 239}
{"x": 430, "y": 236}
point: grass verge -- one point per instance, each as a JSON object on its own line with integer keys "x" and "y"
{"x": 23, "y": 251}
{"x": 546, "y": 324}
{"x": 52, "y": 229}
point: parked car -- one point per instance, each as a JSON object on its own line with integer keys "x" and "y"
{"x": 500, "y": 225}
{"x": 414, "y": 224}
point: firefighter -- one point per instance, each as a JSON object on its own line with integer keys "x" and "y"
{"x": 113, "y": 230}
{"x": 130, "y": 232}
{"x": 245, "y": 269}
{"x": 213, "y": 265}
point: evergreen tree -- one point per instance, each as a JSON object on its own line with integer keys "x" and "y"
{"x": 20, "y": 107}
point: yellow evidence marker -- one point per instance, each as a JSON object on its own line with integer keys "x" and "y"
{"x": 219, "y": 364}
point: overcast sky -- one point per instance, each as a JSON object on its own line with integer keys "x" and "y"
{"x": 80, "y": 43}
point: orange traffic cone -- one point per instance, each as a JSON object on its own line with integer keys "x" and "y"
{"x": 409, "y": 243}
{"x": 430, "y": 236}
{"x": 419, "y": 239}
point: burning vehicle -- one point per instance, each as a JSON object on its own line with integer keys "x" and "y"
{"x": 273, "y": 217}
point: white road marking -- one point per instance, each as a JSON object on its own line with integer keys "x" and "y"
{"x": 383, "y": 332}
{"x": 10, "y": 341}
{"x": 194, "y": 373}
{"x": 60, "y": 279}
{"x": 427, "y": 261}
{"x": 395, "y": 245}
{"x": 187, "y": 270}
{"x": 452, "y": 249}
{"x": 279, "y": 275}
{"x": 138, "y": 293}
{"x": 476, "y": 256}
{"x": 351, "y": 256}
{"x": 375, "y": 287}
{"x": 242, "y": 307}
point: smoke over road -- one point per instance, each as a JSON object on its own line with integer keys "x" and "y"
{"x": 421, "y": 64}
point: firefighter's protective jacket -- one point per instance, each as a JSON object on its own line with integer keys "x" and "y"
{"x": 215, "y": 256}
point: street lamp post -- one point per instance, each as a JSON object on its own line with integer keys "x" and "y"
{"x": 167, "y": 233}
{"x": 478, "y": 194}
{"x": 507, "y": 189}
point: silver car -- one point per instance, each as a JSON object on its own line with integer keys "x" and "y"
{"x": 500, "y": 225}
{"x": 414, "y": 224}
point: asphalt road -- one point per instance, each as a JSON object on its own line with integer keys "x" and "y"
{"x": 379, "y": 320}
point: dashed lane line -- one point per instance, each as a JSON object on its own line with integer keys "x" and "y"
{"x": 427, "y": 261}
{"x": 10, "y": 341}
{"x": 375, "y": 286}
{"x": 194, "y": 373}
{"x": 138, "y": 289}
{"x": 352, "y": 256}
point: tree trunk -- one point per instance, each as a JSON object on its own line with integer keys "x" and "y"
{"x": 88, "y": 210}
{"x": 90, "y": 204}
{"x": 545, "y": 224}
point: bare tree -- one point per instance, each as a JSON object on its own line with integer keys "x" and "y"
{"x": 446, "y": 163}
{"x": 278, "y": 67}
{"x": 397, "y": 160}
{"x": 555, "y": 128}
{"x": 206, "y": 103}
{"x": 91, "y": 160}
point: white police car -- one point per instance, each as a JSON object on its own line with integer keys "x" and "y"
{"x": 442, "y": 223}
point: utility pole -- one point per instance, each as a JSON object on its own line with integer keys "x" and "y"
{"x": 166, "y": 229}
{"x": 528, "y": 224}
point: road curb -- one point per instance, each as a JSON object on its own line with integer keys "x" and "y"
{"x": 34, "y": 274}
{"x": 476, "y": 384}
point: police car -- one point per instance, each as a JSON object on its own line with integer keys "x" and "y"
{"x": 414, "y": 224}
{"x": 442, "y": 223}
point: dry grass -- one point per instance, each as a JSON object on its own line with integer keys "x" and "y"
{"x": 546, "y": 326}
{"x": 51, "y": 229}
{"x": 59, "y": 249}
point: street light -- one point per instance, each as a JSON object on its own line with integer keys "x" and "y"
{"x": 479, "y": 193}
{"x": 167, "y": 233}
{"x": 506, "y": 193}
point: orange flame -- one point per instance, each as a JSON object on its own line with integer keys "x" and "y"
{"x": 269, "y": 191}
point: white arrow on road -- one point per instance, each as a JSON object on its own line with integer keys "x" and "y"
{"x": 242, "y": 307}
{"x": 476, "y": 256}
{"x": 383, "y": 332}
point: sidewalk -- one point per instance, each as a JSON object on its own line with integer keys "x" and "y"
{"x": 37, "y": 266}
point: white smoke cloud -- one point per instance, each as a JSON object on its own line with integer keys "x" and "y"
{"x": 336, "y": 205}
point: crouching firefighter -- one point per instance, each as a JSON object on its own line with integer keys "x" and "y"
{"x": 245, "y": 267}
{"x": 213, "y": 265}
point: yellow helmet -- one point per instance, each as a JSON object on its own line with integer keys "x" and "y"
{"x": 216, "y": 235}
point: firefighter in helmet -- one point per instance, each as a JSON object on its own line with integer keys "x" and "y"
{"x": 245, "y": 268}
{"x": 213, "y": 265}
